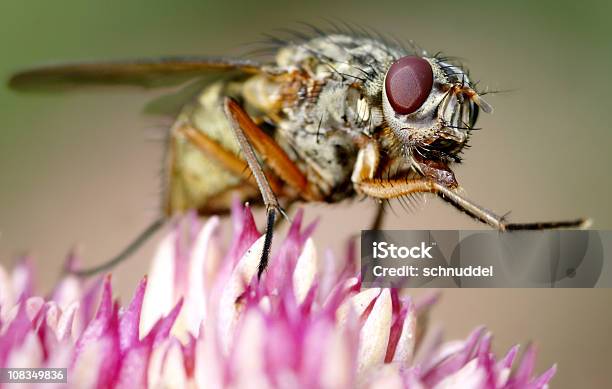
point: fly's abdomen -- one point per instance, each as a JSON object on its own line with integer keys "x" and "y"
{"x": 195, "y": 179}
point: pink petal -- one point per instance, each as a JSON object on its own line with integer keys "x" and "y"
{"x": 16, "y": 332}
{"x": 189, "y": 353}
{"x": 67, "y": 291}
{"x": 454, "y": 362}
{"x": 249, "y": 372}
{"x": 130, "y": 319}
{"x": 7, "y": 299}
{"x": 97, "y": 352}
{"x": 283, "y": 264}
{"x": 245, "y": 233}
{"x": 403, "y": 333}
{"x": 374, "y": 336}
{"x": 102, "y": 322}
{"x": 209, "y": 370}
{"x": 33, "y": 306}
{"x": 508, "y": 360}
{"x": 524, "y": 371}
{"x": 233, "y": 288}
{"x": 98, "y": 362}
{"x": 204, "y": 254}
{"x": 23, "y": 279}
{"x": 359, "y": 303}
{"x": 89, "y": 302}
{"x": 174, "y": 374}
{"x": 159, "y": 298}
{"x": 65, "y": 325}
{"x": 543, "y": 380}
{"x": 468, "y": 376}
{"x": 387, "y": 376}
{"x": 305, "y": 270}
{"x": 28, "y": 354}
{"x": 134, "y": 367}
{"x": 161, "y": 330}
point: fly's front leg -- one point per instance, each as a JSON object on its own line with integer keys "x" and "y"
{"x": 437, "y": 179}
{"x": 387, "y": 189}
{"x": 250, "y": 138}
{"x": 365, "y": 168}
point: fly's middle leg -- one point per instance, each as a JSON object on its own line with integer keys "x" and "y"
{"x": 251, "y": 138}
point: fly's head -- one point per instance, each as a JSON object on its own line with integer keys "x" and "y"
{"x": 431, "y": 107}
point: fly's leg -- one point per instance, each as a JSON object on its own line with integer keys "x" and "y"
{"x": 251, "y": 137}
{"x": 275, "y": 157}
{"x": 225, "y": 158}
{"x": 269, "y": 198}
{"x": 386, "y": 189}
{"x": 123, "y": 255}
{"x": 213, "y": 150}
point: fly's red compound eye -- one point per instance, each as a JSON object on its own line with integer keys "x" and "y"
{"x": 408, "y": 83}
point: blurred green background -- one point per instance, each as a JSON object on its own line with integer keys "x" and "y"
{"x": 76, "y": 170}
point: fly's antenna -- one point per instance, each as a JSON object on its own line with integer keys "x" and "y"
{"x": 129, "y": 250}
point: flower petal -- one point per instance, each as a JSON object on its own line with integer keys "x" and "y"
{"x": 28, "y": 354}
{"x": 228, "y": 311}
{"x": 22, "y": 278}
{"x": 66, "y": 323}
{"x": 470, "y": 376}
{"x": 133, "y": 372}
{"x": 247, "y": 362}
{"x": 7, "y": 299}
{"x": 209, "y": 363}
{"x": 358, "y": 303}
{"x": 173, "y": 373}
{"x": 130, "y": 319}
{"x": 305, "y": 270}
{"x": 336, "y": 358}
{"x": 67, "y": 292}
{"x": 204, "y": 255}
{"x": 374, "y": 336}
{"x": 388, "y": 376}
{"x": 159, "y": 294}
{"x": 404, "y": 348}
{"x": 543, "y": 380}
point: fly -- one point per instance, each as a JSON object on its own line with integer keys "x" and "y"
{"x": 331, "y": 117}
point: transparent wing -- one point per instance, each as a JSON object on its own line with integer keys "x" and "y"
{"x": 149, "y": 73}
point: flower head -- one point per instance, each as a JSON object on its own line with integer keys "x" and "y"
{"x": 203, "y": 319}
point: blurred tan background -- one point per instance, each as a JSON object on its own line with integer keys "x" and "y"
{"x": 76, "y": 169}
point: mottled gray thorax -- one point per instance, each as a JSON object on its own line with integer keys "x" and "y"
{"x": 338, "y": 104}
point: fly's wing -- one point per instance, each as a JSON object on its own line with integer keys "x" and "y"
{"x": 148, "y": 73}
{"x": 170, "y": 104}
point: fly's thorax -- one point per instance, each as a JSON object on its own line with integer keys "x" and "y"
{"x": 320, "y": 122}
{"x": 341, "y": 106}
{"x": 327, "y": 158}
{"x": 338, "y": 79}
{"x": 263, "y": 92}
{"x": 330, "y": 90}
{"x": 318, "y": 126}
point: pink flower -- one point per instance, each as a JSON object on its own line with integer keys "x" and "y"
{"x": 202, "y": 319}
